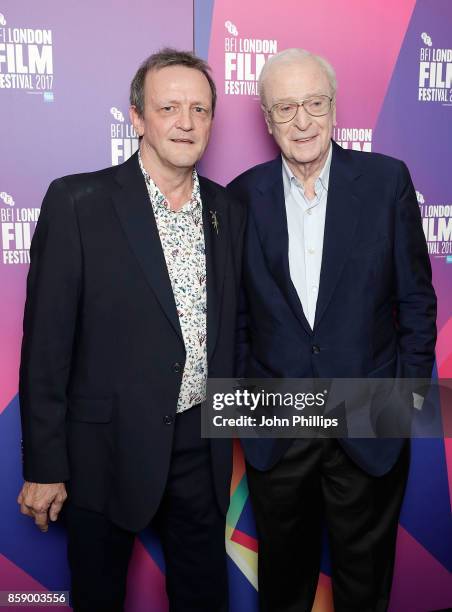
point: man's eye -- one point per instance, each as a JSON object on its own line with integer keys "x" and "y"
{"x": 168, "y": 109}
{"x": 316, "y": 102}
{"x": 200, "y": 109}
{"x": 286, "y": 108}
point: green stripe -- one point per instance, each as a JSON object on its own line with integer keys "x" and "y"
{"x": 238, "y": 501}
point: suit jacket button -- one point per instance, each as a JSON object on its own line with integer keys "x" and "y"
{"x": 177, "y": 367}
{"x": 168, "y": 419}
{"x": 315, "y": 349}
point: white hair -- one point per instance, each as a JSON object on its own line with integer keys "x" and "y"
{"x": 293, "y": 56}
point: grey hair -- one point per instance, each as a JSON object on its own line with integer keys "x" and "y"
{"x": 162, "y": 59}
{"x": 291, "y": 56}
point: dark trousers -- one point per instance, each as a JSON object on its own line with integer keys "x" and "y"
{"x": 192, "y": 531}
{"x": 316, "y": 482}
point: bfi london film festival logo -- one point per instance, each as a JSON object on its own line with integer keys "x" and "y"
{"x": 435, "y": 73}
{"x": 244, "y": 59}
{"x": 17, "y": 227}
{"x": 357, "y": 139}
{"x": 124, "y": 139}
{"x": 26, "y": 59}
{"x": 437, "y": 226}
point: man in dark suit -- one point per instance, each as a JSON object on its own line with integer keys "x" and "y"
{"x": 131, "y": 303}
{"x": 337, "y": 283}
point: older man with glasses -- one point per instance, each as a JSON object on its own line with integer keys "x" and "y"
{"x": 336, "y": 283}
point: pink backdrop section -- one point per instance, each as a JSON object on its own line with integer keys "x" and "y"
{"x": 432, "y": 593}
{"x": 335, "y": 30}
{"x": 13, "y": 293}
{"x": 145, "y": 584}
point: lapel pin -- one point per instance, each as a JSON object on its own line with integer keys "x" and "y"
{"x": 215, "y": 223}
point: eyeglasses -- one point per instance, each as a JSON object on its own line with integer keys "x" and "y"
{"x": 317, "y": 106}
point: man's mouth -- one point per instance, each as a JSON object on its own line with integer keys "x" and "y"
{"x": 307, "y": 139}
{"x": 182, "y": 140}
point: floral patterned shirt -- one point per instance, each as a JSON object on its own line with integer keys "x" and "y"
{"x": 182, "y": 238}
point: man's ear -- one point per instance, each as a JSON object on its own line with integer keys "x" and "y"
{"x": 334, "y": 113}
{"x": 137, "y": 120}
{"x": 267, "y": 119}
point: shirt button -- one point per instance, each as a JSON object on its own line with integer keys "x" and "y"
{"x": 314, "y": 289}
{"x": 177, "y": 367}
{"x": 168, "y": 419}
{"x": 309, "y": 211}
{"x": 311, "y": 251}
{"x": 315, "y": 349}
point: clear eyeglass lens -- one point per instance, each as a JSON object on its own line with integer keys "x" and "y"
{"x": 285, "y": 111}
{"x": 316, "y": 106}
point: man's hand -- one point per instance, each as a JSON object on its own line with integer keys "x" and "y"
{"x": 42, "y": 501}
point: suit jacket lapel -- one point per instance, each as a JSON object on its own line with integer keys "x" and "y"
{"x": 343, "y": 207}
{"x": 132, "y": 204}
{"x": 271, "y": 221}
{"x": 216, "y": 237}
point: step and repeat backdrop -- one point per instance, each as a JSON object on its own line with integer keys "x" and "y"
{"x": 64, "y": 79}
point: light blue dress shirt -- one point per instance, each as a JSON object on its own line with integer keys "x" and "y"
{"x": 306, "y": 226}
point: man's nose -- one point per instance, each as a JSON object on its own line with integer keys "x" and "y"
{"x": 185, "y": 119}
{"x": 302, "y": 119}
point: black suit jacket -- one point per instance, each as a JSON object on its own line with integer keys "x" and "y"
{"x": 376, "y": 307}
{"x": 102, "y": 352}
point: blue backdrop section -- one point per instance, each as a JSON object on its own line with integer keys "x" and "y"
{"x": 38, "y": 554}
{"x": 246, "y": 520}
{"x": 418, "y": 132}
{"x": 426, "y": 508}
{"x": 203, "y": 18}
{"x": 241, "y": 596}
{"x": 151, "y": 543}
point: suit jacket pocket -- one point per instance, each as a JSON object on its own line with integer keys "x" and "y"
{"x": 91, "y": 450}
{"x": 90, "y": 410}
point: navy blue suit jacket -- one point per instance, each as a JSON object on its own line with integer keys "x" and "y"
{"x": 376, "y": 307}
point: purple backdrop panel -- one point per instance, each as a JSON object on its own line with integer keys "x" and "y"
{"x": 64, "y": 79}
{"x": 65, "y": 71}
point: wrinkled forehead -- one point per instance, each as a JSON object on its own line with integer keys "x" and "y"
{"x": 295, "y": 80}
{"x": 177, "y": 80}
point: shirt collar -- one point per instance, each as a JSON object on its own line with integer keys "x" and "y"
{"x": 158, "y": 200}
{"x": 324, "y": 177}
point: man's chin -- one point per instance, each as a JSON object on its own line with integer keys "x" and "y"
{"x": 307, "y": 157}
{"x": 184, "y": 162}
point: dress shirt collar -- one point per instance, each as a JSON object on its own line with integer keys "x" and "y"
{"x": 289, "y": 179}
{"x": 158, "y": 200}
